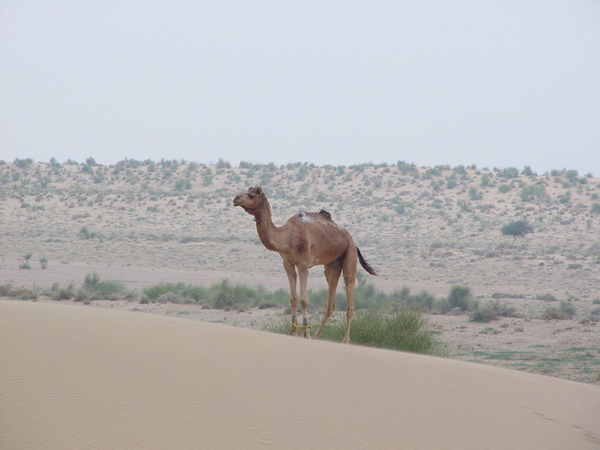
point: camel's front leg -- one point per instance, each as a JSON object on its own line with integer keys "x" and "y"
{"x": 290, "y": 271}
{"x": 303, "y": 274}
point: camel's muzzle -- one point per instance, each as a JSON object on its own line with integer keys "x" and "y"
{"x": 237, "y": 201}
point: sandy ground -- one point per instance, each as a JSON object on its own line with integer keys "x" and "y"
{"x": 109, "y": 376}
{"x": 75, "y": 377}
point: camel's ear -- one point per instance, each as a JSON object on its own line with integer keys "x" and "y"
{"x": 258, "y": 190}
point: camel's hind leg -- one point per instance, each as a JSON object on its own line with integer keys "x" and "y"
{"x": 303, "y": 275}
{"x": 332, "y": 275}
{"x": 349, "y": 269}
{"x": 290, "y": 271}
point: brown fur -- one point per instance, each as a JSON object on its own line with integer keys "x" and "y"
{"x": 307, "y": 240}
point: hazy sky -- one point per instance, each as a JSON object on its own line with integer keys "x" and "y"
{"x": 492, "y": 83}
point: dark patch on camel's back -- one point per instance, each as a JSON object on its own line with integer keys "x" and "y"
{"x": 325, "y": 214}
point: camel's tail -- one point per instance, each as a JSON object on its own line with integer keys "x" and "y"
{"x": 365, "y": 264}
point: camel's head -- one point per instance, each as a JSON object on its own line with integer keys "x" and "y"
{"x": 251, "y": 201}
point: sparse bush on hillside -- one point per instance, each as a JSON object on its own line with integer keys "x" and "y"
{"x": 474, "y": 194}
{"x": 85, "y": 233}
{"x": 222, "y": 164}
{"x": 183, "y": 184}
{"x": 510, "y": 172}
{"x": 534, "y": 192}
{"x": 518, "y": 228}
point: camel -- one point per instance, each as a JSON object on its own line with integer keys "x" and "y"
{"x": 307, "y": 240}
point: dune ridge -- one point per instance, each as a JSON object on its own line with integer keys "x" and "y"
{"x": 74, "y": 377}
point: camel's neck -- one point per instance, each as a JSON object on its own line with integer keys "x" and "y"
{"x": 267, "y": 231}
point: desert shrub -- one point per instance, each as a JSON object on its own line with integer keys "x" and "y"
{"x": 25, "y": 264}
{"x": 484, "y": 314}
{"x": 183, "y": 184}
{"x": 497, "y": 295}
{"x": 534, "y": 192}
{"x": 58, "y": 293}
{"x": 474, "y": 194}
{"x": 565, "y": 198}
{"x": 226, "y": 296}
{"x": 564, "y": 311}
{"x": 509, "y": 172}
{"x": 85, "y": 233}
{"x": 221, "y": 295}
{"x": 547, "y": 297}
{"x": 403, "y": 299}
{"x": 188, "y": 292}
{"x": 518, "y": 228}
{"x": 595, "y": 209}
{"x": 171, "y": 297}
{"x": 491, "y": 311}
{"x": 6, "y": 290}
{"x": 595, "y": 315}
{"x": 26, "y": 294}
{"x": 460, "y": 297}
{"x": 96, "y": 289}
{"x": 504, "y": 309}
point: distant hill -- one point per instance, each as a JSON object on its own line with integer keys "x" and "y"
{"x": 424, "y": 227}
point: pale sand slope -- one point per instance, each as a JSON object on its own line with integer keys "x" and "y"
{"x": 73, "y": 377}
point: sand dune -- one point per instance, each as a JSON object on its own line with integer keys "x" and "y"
{"x": 75, "y": 377}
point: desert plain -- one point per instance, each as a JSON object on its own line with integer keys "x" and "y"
{"x": 103, "y": 374}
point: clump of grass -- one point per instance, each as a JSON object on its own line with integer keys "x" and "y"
{"x": 7, "y": 290}
{"x": 26, "y": 294}
{"x": 405, "y": 330}
{"x": 96, "y": 289}
{"x": 221, "y": 295}
{"x": 187, "y": 293}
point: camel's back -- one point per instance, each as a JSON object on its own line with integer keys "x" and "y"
{"x": 316, "y": 223}
{"x": 312, "y": 217}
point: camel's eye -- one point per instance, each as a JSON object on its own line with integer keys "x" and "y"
{"x": 251, "y": 195}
